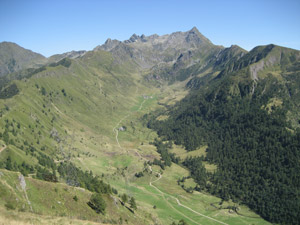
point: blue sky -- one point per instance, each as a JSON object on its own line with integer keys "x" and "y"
{"x": 57, "y": 26}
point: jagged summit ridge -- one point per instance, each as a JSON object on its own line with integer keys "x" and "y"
{"x": 148, "y": 51}
{"x": 175, "y": 39}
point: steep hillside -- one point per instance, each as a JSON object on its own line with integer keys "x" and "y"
{"x": 224, "y": 59}
{"x": 14, "y": 58}
{"x": 248, "y": 115}
{"x": 54, "y": 202}
{"x": 71, "y": 117}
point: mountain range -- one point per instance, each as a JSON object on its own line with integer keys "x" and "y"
{"x": 151, "y": 126}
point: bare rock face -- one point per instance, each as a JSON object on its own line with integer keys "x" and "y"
{"x": 22, "y": 182}
{"x": 254, "y": 69}
{"x": 108, "y": 45}
{"x": 54, "y": 134}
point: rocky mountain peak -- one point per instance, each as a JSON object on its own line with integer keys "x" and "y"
{"x": 194, "y": 36}
{"x": 134, "y": 38}
{"x": 194, "y": 30}
{"x": 108, "y": 45}
{"x": 137, "y": 38}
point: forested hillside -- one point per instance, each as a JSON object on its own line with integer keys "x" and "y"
{"x": 248, "y": 126}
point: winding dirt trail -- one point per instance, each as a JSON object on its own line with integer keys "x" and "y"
{"x": 115, "y": 129}
{"x": 180, "y": 204}
{"x": 56, "y": 108}
{"x": 163, "y": 195}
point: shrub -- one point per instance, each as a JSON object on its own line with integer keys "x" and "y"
{"x": 97, "y": 203}
{"x": 75, "y": 198}
{"x": 124, "y": 198}
{"x": 10, "y": 206}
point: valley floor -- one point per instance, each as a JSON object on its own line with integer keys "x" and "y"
{"x": 160, "y": 195}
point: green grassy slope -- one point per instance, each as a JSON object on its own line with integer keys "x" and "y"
{"x": 55, "y": 200}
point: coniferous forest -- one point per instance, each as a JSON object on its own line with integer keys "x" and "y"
{"x": 256, "y": 150}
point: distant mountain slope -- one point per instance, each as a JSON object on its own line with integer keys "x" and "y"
{"x": 71, "y": 55}
{"x": 15, "y": 58}
{"x": 216, "y": 64}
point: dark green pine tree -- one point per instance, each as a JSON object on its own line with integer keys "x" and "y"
{"x": 132, "y": 203}
{"x": 8, "y": 163}
{"x": 124, "y": 198}
{"x": 97, "y": 203}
